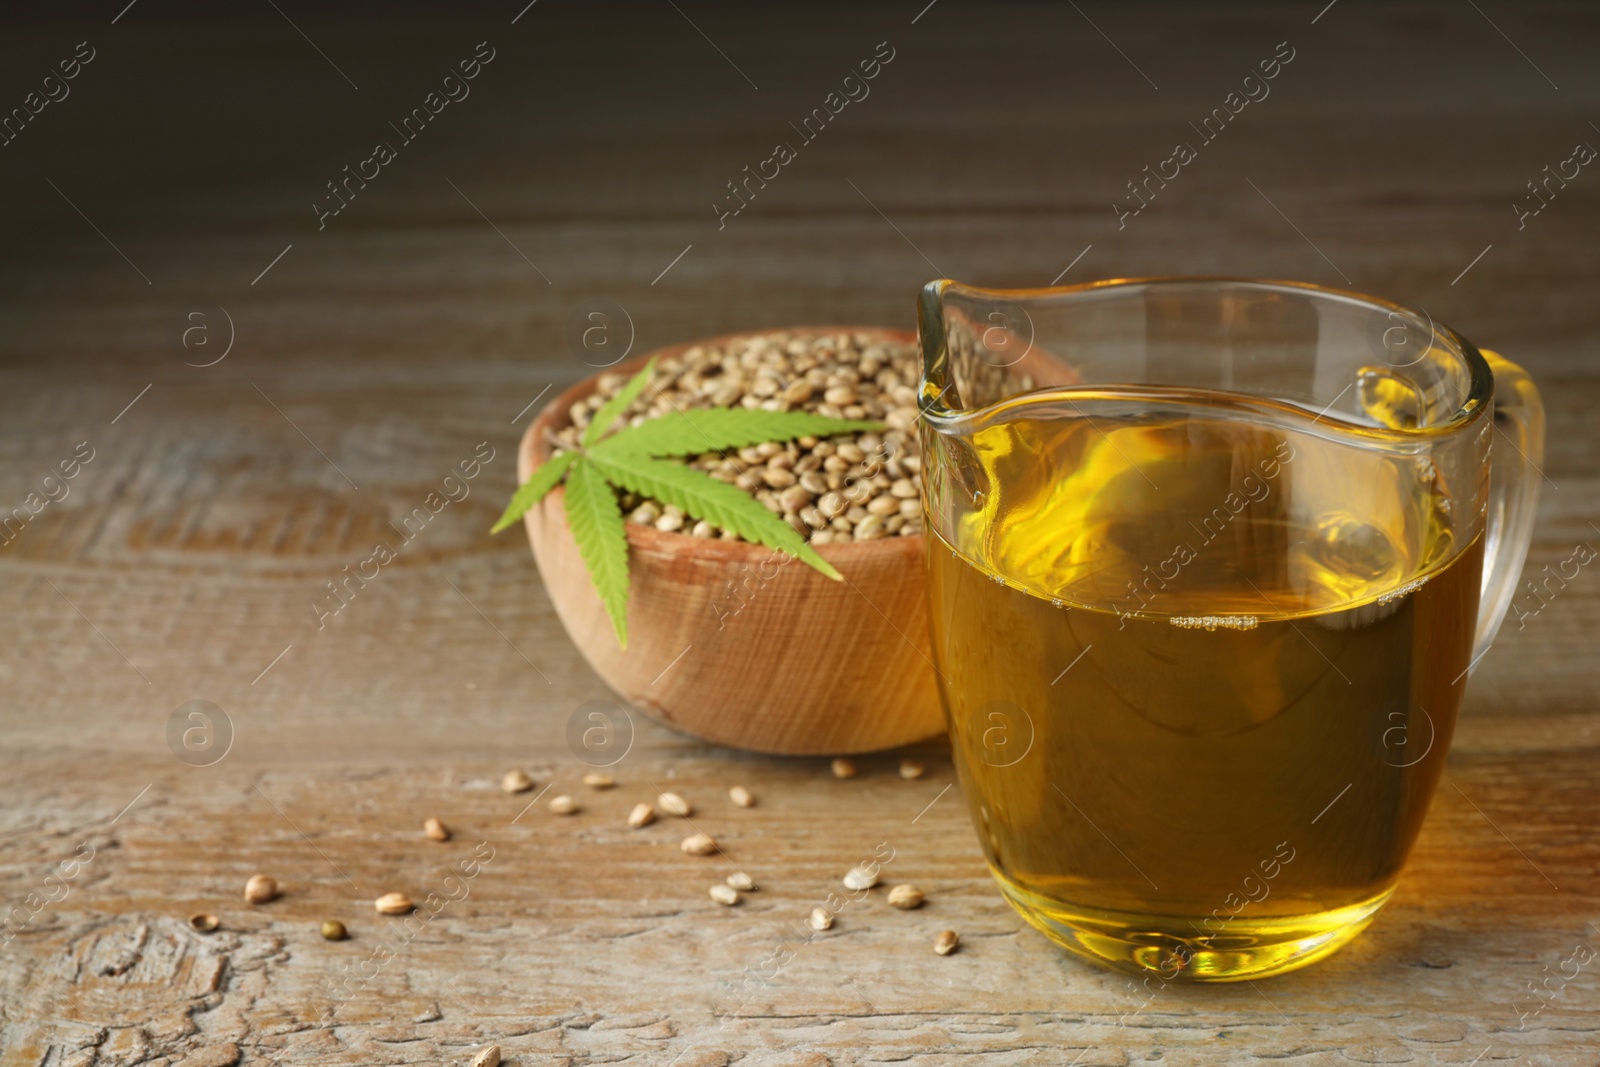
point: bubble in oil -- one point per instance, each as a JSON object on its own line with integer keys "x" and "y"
{"x": 1404, "y": 591}
{"x": 1213, "y": 623}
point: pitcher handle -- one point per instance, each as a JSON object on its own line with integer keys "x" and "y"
{"x": 1515, "y": 470}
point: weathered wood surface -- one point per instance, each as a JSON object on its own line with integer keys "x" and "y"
{"x": 189, "y": 550}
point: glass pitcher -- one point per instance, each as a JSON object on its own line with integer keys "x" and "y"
{"x": 1209, "y": 562}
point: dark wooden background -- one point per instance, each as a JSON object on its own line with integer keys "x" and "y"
{"x": 377, "y": 353}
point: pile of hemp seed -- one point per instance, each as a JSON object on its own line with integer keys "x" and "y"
{"x": 850, "y": 487}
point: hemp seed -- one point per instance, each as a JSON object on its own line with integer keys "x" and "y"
{"x": 436, "y": 830}
{"x": 906, "y": 897}
{"x": 821, "y": 919}
{"x": 563, "y": 805}
{"x": 699, "y": 845}
{"x": 489, "y": 1057}
{"x": 599, "y": 780}
{"x": 740, "y": 880}
{"x": 333, "y": 930}
{"x": 860, "y": 878}
{"x": 641, "y": 815}
{"x": 393, "y": 904}
{"x": 855, "y": 376}
{"x": 723, "y": 894}
{"x": 673, "y": 804}
{"x": 947, "y": 942}
{"x": 742, "y": 796}
{"x": 261, "y": 888}
{"x": 516, "y": 782}
{"x": 910, "y": 769}
{"x": 203, "y": 923}
{"x": 844, "y": 768}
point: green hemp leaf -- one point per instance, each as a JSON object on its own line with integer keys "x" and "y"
{"x": 630, "y": 458}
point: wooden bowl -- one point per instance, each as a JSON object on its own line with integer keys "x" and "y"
{"x": 737, "y": 644}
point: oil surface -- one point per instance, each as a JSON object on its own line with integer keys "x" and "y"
{"x": 1201, "y": 677}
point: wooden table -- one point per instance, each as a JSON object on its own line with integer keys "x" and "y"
{"x": 370, "y": 356}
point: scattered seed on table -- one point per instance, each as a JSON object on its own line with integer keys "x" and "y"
{"x": 843, "y": 768}
{"x": 724, "y": 894}
{"x": 821, "y": 919}
{"x": 860, "y": 878}
{"x": 599, "y": 780}
{"x": 911, "y": 768}
{"x": 260, "y": 888}
{"x": 906, "y": 897}
{"x": 699, "y": 845}
{"x": 516, "y": 782}
{"x": 203, "y": 923}
{"x": 641, "y": 815}
{"x": 393, "y": 904}
{"x": 563, "y": 805}
{"x": 489, "y": 1057}
{"x": 740, "y": 880}
{"x": 673, "y": 804}
{"x": 742, "y": 796}
{"x": 947, "y": 942}
{"x": 436, "y": 830}
{"x": 333, "y": 930}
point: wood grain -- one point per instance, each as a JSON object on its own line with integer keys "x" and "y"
{"x": 376, "y": 354}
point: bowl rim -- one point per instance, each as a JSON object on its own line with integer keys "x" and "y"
{"x": 534, "y": 450}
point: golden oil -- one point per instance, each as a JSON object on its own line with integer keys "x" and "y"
{"x": 1200, "y": 675}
